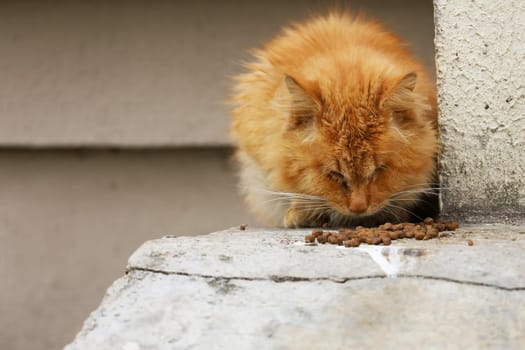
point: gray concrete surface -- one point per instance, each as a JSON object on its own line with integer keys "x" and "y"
{"x": 266, "y": 289}
{"x": 480, "y": 55}
{"x": 70, "y": 219}
{"x": 145, "y": 73}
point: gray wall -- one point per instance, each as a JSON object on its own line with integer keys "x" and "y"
{"x": 139, "y": 73}
{"x": 146, "y": 75}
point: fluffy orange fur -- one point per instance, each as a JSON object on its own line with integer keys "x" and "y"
{"x": 335, "y": 122}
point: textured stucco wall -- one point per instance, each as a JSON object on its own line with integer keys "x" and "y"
{"x": 480, "y": 57}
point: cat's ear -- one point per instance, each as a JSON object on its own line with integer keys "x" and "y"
{"x": 301, "y": 107}
{"x": 400, "y": 99}
{"x": 400, "y": 96}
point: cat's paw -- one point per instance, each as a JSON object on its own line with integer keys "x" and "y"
{"x": 292, "y": 218}
{"x": 299, "y": 217}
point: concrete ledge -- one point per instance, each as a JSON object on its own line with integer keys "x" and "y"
{"x": 266, "y": 289}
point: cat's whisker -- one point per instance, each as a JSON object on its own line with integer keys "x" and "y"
{"x": 296, "y": 199}
{"x": 404, "y": 209}
{"x": 293, "y": 194}
{"x": 408, "y": 200}
{"x": 425, "y": 184}
{"x": 398, "y": 195}
{"x": 411, "y": 201}
{"x": 386, "y": 210}
{"x": 290, "y": 199}
{"x": 311, "y": 206}
{"x": 289, "y": 194}
{"x": 313, "y": 209}
{"x": 433, "y": 188}
{"x": 421, "y": 187}
{"x": 428, "y": 191}
{"x": 298, "y": 203}
{"x": 281, "y": 204}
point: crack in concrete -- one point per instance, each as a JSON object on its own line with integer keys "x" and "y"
{"x": 280, "y": 279}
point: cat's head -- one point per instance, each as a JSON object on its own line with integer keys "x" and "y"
{"x": 362, "y": 148}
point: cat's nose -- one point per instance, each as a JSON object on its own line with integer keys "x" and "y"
{"x": 358, "y": 205}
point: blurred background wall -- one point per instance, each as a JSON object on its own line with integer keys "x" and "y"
{"x": 113, "y": 131}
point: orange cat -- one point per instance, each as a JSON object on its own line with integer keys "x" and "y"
{"x": 335, "y": 123}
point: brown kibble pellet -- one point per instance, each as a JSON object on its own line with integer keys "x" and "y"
{"x": 419, "y": 235}
{"x": 470, "y": 242}
{"x": 433, "y": 233}
{"x": 386, "y": 226}
{"x": 354, "y": 242}
{"x": 332, "y": 239}
{"x": 362, "y": 233}
{"x": 397, "y": 227}
{"x": 339, "y": 236}
{"x": 394, "y": 235}
{"x": 243, "y": 227}
{"x": 439, "y": 226}
{"x": 374, "y": 240}
{"x": 317, "y": 232}
{"x": 384, "y": 234}
{"x": 451, "y": 226}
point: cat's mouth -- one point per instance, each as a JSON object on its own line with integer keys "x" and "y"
{"x": 370, "y": 211}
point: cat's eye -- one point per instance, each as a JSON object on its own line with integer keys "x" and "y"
{"x": 400, "y": 117}
{"x": 377, "y": 170}
{"x": 337, "y": 177}
{"x": 380, "y": 168}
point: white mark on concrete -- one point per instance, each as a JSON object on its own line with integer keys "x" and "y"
{"x": 387, "y": 259}
{"x": 390, "y": 259}
{"x": 131, "y": 346}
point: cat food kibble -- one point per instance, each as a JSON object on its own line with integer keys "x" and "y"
{"x": 354, "y": 242}
{"x": 419, "y": 235}
{"x": 384, "y": 234}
